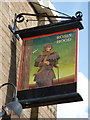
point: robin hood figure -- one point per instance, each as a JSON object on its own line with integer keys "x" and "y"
{"x": 46, "y": 61}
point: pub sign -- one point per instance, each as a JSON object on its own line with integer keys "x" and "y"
{"x": 48, "y": 66}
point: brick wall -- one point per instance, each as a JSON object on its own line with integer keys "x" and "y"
{"x": 45, "y": 112}
{"x": 10, "y": 50}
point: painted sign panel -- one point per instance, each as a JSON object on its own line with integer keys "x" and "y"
{"x": 48, "y": 60}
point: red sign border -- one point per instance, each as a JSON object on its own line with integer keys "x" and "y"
{"x": 22, "y": 53}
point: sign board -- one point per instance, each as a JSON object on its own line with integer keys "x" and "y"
{"x": 48, "y": 68}
{"x": 52, "y": 59}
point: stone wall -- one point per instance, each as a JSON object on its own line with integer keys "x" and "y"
{"x": 10, "y": 50}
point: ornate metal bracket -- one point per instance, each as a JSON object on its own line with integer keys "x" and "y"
{"x": 13, "y": 30}
{"x": 21, "y": 17}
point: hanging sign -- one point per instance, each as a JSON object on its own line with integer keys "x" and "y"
{"x": 49, "y": 60}
{"x": 48, "y": 68}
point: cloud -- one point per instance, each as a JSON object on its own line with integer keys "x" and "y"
{"x": 76, "y": 109}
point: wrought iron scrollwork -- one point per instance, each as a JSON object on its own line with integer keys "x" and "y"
{"x": 79, "y": 15}
{"x": 21, "y": 17}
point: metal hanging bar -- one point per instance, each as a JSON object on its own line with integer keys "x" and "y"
{"x": 21, "y": 17}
